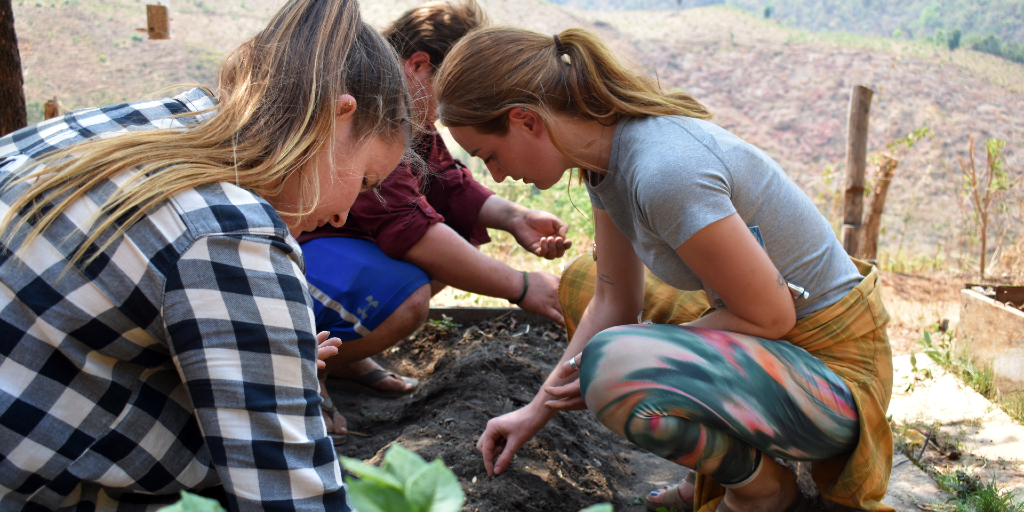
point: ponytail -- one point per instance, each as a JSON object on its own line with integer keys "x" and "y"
{"x": 574, "y": 74}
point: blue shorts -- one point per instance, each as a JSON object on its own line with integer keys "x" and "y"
{"x": 355, "y": 286}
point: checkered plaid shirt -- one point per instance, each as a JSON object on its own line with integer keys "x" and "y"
{"x": 181, "y": 358}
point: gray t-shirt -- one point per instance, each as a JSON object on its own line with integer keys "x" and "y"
{"x": 669, "y": 177}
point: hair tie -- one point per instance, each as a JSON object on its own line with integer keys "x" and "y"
{"x": 562, "y": 51}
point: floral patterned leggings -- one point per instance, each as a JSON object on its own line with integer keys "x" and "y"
{"x": 713, "y": 401}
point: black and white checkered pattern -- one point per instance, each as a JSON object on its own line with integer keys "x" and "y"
{"x": 182, "y": 357}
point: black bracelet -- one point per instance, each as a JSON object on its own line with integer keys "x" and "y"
{"x": 526, "y": 286}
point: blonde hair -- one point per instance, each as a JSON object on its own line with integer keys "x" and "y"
{"x": 493, "y": 70}
{"x": 278, "y": 97}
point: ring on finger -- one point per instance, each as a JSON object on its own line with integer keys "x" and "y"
{"x": 572, "y": 363}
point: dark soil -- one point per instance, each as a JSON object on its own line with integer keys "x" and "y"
{"x": 471, "y": 373}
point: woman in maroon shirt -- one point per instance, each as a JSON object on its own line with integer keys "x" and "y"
{"x": 372, "y": 278}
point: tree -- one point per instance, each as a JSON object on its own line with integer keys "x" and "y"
{"x": 954, "y": 39}
{"x": 980, "y": 195}
{"x": 12, "y": 91}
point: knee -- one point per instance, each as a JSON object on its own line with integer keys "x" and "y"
{"x": 414, "y": 309}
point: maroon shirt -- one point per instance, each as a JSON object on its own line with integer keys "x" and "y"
{"x": 412, "y": 203}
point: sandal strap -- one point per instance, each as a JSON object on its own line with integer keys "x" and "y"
{"x": 327, "y": 405}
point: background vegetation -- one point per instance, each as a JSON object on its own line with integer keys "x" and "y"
{"x": 991, "y": 26}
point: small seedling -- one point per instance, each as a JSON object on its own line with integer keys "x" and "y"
{"x": 445, "y": 325}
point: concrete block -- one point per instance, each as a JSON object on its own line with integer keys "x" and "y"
{"x": 994, "y": 336}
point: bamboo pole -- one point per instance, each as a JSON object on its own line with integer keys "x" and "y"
{"x": 883, "y": 176}
{"x": 856, "y": 161}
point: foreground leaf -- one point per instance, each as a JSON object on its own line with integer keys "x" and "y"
{"x": 435, "y": 488}
{"x": 371, "y": 473}
{"x": 368, "y": 496}
{"x": 402, "y": 462}
{"x": 191, "y": 503}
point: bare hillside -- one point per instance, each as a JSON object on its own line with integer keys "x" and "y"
{"x": 782, "y": 89}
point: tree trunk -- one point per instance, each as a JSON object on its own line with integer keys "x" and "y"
{"x": 884, "y": 173}
{"x": 12, "y": 91}
{"x": 856, "y": 161}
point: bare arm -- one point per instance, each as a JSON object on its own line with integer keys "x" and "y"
{"x": 449, "y": 258}
{"x": 618, "y": 300}
{"x": 540, "y": 232}
{"x": 731, "y": 263}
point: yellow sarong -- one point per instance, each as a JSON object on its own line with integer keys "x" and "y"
{"x": 848, "y": 336}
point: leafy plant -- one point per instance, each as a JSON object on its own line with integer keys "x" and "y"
{"x": 405, "y": 483}
{"x": 445, "y": 325}
{"x": 192, "y": 503}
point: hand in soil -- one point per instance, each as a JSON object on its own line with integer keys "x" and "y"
{"x": 542, "y": 297}
{"x": 569, "y": 396}
{"x": 326, "y": 347}
{"x": 509, "y": 432}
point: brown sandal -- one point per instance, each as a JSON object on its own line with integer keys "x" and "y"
{"x": 671, "y": 500}
{"x": 365, "y": 384}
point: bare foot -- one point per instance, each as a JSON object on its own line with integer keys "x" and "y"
{"x": 684, "y": 488}
{"x": 366, "y": 365}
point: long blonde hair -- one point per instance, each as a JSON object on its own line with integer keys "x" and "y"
{"x": 278, "y": 95}
{"x": 493, "y": 70}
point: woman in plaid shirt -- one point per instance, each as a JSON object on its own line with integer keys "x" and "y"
{"x": 156, "y": 333}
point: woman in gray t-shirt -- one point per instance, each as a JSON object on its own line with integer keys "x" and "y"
{"x": 793, "y": 360}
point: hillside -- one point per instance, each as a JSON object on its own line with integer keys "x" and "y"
{"x": 783, "y": 89}
{"x": 915, "y": 19}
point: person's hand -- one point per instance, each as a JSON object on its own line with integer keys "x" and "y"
{"x": 568, "y": 396}
{"x": 542, "y": 297}
{"x": 507, "y": 433}
{"x": 326, "y": 347}
{"x": 541, "y": 233}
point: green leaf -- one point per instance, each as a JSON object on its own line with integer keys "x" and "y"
{"x": 402, "y": 463}
{"x": 434, "y": 488}
{"x": 371, "y": 473}
{"x": 600, "y": 507}
{"x": 368, "y": 496}
{"x": 192, "y": 503}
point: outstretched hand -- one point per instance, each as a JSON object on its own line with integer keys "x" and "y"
{"x": 542, "y": 233}
{"x": 569, "y": 396}
{"x": 506, "y": 434}
{"x": 326, "y": 347}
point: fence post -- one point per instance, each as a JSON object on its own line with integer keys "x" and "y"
{"x": 856, "y": 161}
{"x": 51, "y": 108}
{"x": 158, "y": 22}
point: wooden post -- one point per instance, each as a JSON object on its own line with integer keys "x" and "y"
{"x": 158, "y": 22}
{"x": 856, "y": 161}
{"x": 883, "y": 176}
{"x": 51, "y": 108}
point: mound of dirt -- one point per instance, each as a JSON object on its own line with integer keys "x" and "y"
{"x": 471, "y": 373}
{"x": 474, "y": 372}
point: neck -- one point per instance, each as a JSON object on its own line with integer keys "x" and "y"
{"x": 589, "y": 141}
